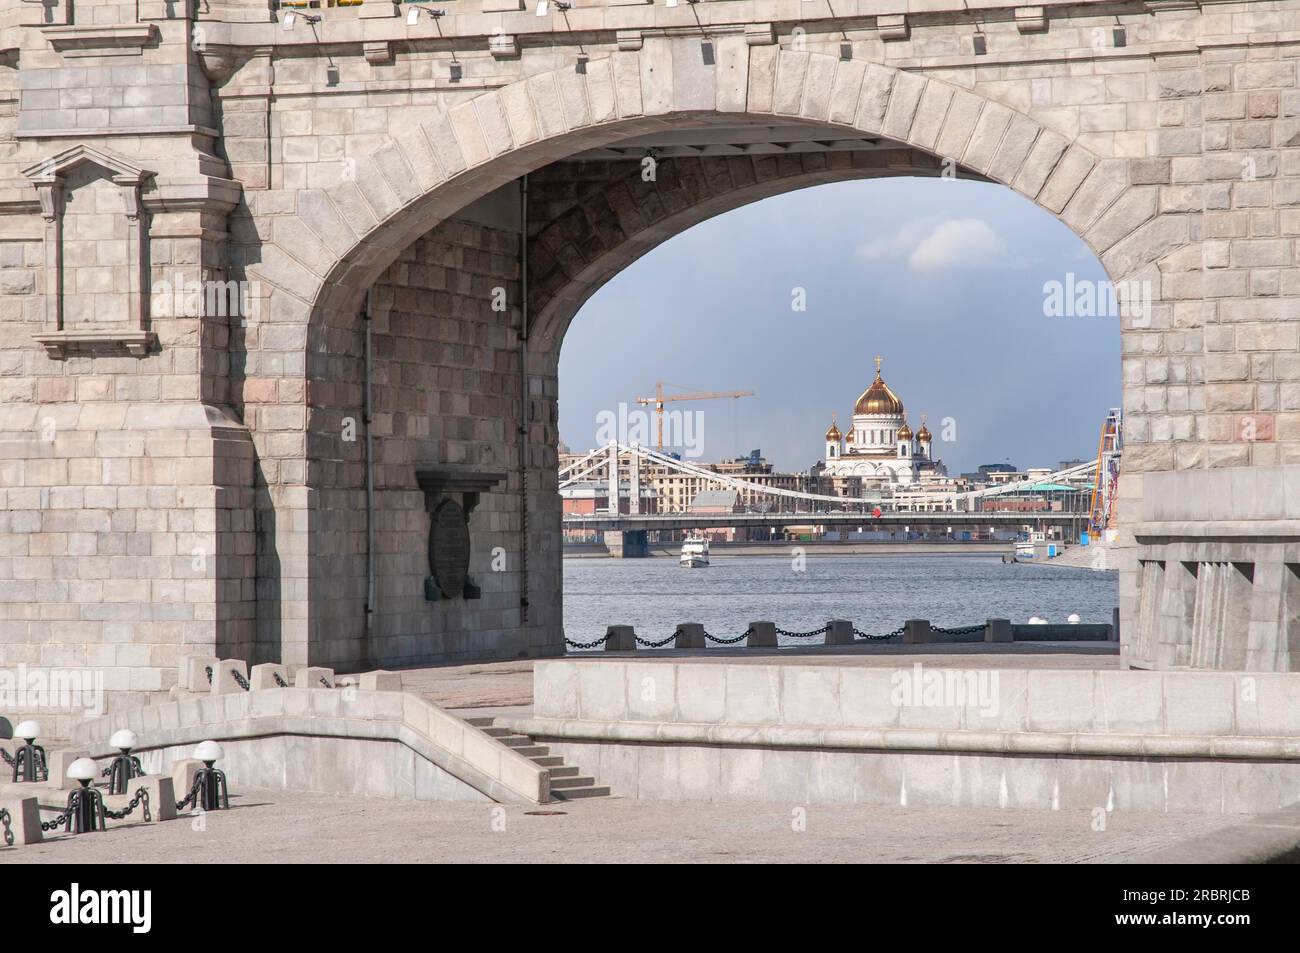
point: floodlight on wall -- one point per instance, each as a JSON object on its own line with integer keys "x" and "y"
{"x": 413, "y": 14}
{"x": 981, "y": 44}
{"x": 1119, "y": 35}
{"x": 291, "y": 17}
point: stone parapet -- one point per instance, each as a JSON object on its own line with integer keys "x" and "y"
{"x": 366, "y": 720}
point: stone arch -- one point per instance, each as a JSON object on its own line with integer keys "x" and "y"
{"x": 318, "y": 261}
{"x": 322, "y": 258}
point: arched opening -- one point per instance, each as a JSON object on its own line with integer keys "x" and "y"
{"x": 948, "y": 280}
{"x": 425, "y": 226}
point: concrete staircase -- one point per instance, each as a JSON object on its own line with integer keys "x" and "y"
{"x": 567, "y": 784}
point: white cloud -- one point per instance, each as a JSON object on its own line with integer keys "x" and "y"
{"x": 930, "y": 244}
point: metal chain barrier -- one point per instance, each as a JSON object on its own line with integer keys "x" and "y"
{"x": 59, "y": 819}
{"x": 787, "y": 633}
{"x": 141, "y": 794}
{"x": 720, "y": 641}
{"x": 655, "y": 645}
{"x": 878, "y": 638}
{"x": 325, "y": 683}
{"x": 7, "y": 823}
{"x": 208, "y": 670}
{"x": 278, "y": 680}
{"x": 804, "y": 635}
{"x": 189, "y": 799}
{"x": 9, "y": 759}
{"x": 240, "y": 680}
{"x": 588, "y": 645}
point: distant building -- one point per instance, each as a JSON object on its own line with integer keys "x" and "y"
{"x": 879, "y": 449}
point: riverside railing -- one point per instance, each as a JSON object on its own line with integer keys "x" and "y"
{"x": 693, "y": 635}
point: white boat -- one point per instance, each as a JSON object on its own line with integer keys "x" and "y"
{"x": 695, "y": 552}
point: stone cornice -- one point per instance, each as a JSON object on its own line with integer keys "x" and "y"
{"x": 78, "y": 40}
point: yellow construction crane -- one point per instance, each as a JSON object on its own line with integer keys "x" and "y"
{"x": 659, "y": 399}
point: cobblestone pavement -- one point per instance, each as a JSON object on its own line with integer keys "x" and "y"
{"x": 273, "y": 826}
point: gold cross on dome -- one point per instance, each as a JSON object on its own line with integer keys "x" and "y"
{"x": 878, "y": 363}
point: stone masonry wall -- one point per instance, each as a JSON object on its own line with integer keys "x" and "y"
{"x": 446, "y": 390}
{"x": 309, "y": 161}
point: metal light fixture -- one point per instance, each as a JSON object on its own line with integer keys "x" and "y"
{"x": 981, "y": 44}
{"x": 126, "y": 765}
{"x": 291, "y": 17}
{"x": 1119, "y": 35}
{"x": 413, "y": 14}
{"x": 85, "y": 810}
{"x": 29, "y": 760}
{"x": 214, "y": 795}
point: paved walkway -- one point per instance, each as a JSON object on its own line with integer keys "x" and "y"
{"x": 267, "y": 826}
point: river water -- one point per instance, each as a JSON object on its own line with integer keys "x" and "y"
{"x": 876, "y": 593}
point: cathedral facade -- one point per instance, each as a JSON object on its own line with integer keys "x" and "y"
{"x": 879, "y": 448}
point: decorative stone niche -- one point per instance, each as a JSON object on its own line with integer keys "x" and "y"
{"x": 96, "y": 252}
{"x": 449, "y": 535}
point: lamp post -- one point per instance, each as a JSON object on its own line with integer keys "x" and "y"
{"x": 85, "y": 810}
{"x": 29, "y": 760}
{"x": 213, "y": 793}
{"x": 126, "y": 765}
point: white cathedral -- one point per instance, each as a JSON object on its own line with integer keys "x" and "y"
{"x": 880, "y": 448}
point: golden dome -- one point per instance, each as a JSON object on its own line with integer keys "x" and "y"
{"x": 878, "y": 398}
{"x": 923, "y": 434}
{"x": 905, "y": 432}
{"x": 834, "y": 432}
{"x": 849, "y": 437}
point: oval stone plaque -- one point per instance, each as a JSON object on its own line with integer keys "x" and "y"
{"x": 449, "y": 548}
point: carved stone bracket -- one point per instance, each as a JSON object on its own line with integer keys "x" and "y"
{"x": 449, "y": 536}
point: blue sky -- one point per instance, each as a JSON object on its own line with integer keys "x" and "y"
{"x": 943, "y": 278}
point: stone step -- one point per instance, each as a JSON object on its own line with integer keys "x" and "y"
{"x": 547, "y": 760}
{"x": 515, "y": 741}
{"x": 572, "y": 794}
{"x": 573, "y": 781}
{"x": 562, "y": 770}
{"x": 481, "y": 721}
{"x": 496, "y": 732}
{"x": 532, "y": 751}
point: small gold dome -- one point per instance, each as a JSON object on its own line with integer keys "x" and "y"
{"x": 849, "y": 437}
{"x": 905, "y": 432}
{"x": 834, "y": 432}
{"x": 878, "y": 398}
{"x": 923, "y": 434}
